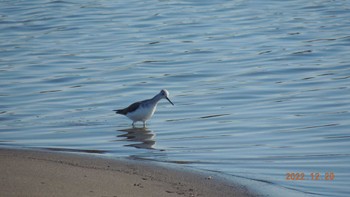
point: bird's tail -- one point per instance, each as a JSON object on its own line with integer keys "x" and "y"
{"x": 119, "y": 111}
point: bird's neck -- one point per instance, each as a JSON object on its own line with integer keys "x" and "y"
{"x": 156, "y": 98}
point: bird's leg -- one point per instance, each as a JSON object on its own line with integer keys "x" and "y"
{"x": 144, "y": 124}
{"x": 133, "y": 124}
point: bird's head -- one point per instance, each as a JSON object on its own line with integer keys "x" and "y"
{"x": 165, "y": 94}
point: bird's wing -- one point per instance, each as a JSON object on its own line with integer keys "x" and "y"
{"x": 129, "y": 109}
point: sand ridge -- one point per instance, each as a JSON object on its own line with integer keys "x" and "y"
{"x": 43, "y": 173}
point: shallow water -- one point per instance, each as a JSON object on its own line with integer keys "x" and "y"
{"x": 261, "y": 89}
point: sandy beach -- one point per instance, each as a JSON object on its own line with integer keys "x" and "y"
{"x": 43, "y": 173}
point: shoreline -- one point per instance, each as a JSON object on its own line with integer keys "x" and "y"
{"x": 47, "y": 173}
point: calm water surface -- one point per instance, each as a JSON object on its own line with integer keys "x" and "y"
{"x": 261, "y": 88}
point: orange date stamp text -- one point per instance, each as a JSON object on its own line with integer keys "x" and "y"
{"x": 313, "y": 176}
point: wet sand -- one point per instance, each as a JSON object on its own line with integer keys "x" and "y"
{"x": 43, "y": 173}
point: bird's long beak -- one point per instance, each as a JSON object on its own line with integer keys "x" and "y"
{"x": 169, "y": 100}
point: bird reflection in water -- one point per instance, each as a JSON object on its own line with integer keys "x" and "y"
{"x": 143, "y": 137}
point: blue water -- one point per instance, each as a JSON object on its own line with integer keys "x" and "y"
{"x": 261, "y": 88}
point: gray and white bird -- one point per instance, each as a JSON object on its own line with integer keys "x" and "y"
{"x": 143, "y": 110}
